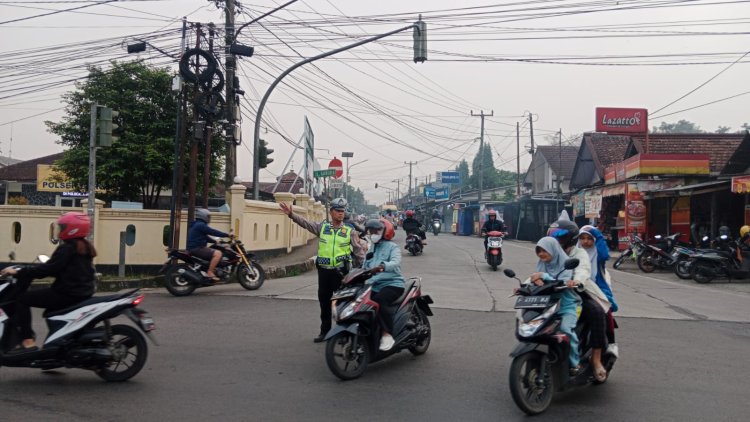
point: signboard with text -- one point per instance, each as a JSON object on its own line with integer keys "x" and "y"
{"x": 741, "y": 184}
{"x": 48, "y": 180}
{"x": 442, "y": 193}
{"x": 621, "y": 120}
{"x": 449, "y": 177}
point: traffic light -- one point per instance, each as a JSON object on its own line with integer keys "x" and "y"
{"x": 420, "y": 41}
{"x": 263, "y": 153}
{"x": 106, "y": 126}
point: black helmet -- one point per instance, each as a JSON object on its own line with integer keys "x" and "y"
{"x": 565, "y": 231}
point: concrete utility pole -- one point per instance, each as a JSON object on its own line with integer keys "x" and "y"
{"x": 518, "y": 161}
{"x": 559, "y": 171}
{"x": 208, "y": 134}
{"x": 199, "y": 128}
{"x": 398, "y": 190}
{"x": 481, "y": 115}
{"x": 90, "y": 209}
{"x": 531, "y": 133}
{"x": 410, "y": 163}
{"x": 230, "y": 165}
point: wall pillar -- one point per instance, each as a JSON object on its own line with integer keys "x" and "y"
{"x": 235, "y": 197}
{"x": 287, "y": 198}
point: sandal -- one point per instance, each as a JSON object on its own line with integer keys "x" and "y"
{"x": 600, "y": 374}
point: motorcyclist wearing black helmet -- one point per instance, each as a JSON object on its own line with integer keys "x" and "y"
{"x": 492, "y": 224}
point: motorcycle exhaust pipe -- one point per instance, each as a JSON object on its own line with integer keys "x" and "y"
{"x": 190, "y": 275}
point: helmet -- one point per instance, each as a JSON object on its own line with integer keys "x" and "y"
{"x": 338, "y": 204}
{"x": 375, "y": 224}
{"x": 492, "y": 213}
{"x": 410, "y": 213}
{"x": 347, "y": 216}
{"x": 565, "y": 231}
{"x": 74, "y": 225}
{"x": 744, "y": 230}
{"x": 203, "y": 214}
{"x": 724, "y": 231}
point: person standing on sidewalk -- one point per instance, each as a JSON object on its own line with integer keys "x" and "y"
{"x": 336, "y": 246}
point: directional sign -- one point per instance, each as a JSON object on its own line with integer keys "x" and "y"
{"x": 324, "y": 173}
{"x": 337, "y": 165}
{"x": 429, "y": 192}
{"x": 442, "y": 193}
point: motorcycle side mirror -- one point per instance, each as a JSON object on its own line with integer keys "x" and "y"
{"x": 42, "y": 258}
{"x": 509, "y": 273}
{"x": 571, "y": 263}
{"x": 12, "y": 255}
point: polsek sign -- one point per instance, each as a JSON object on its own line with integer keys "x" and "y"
{"x": 621, "y": 120}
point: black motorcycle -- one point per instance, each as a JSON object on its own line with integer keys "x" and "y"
{"x": 634, "y": 250}
{"x": 82, "y": 336}
{"x": 183, "y": 278}
{"x": 414, "y": 244}
{"x": 354, "y": 341}
{"x": 662, "y": 254}
{"x": 726, "y": 262}
{"x": 540, "y": 364}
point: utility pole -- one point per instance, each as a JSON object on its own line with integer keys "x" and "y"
{"x": 481, "y": 150}
{"x": 208, "y": 134}
{"x": 92, "y": 168}
{"x": 410, "y": 163}
{"x": 559, "y": 171}
{"x": 180, "y": 131}
{"x": 518, "y": 161}
{"x": 398, "y": 190}
{"x": 531, "y": 132}
{"x": 198, "y": 131}
{"x": 230, "y": 165}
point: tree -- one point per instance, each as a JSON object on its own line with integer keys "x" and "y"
{"x": 139, "y": 165}
{"x": 682, "y": 126}
{"x": 463, "y": 172}
{"x": 723, "y": 129}
{"x": 491, "y": 178}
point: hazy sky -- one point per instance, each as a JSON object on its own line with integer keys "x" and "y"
{"x": 556, "y": 59}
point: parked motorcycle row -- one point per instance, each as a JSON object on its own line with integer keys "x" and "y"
{"x": 722, "y": 258}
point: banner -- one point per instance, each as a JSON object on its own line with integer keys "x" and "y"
{"x": 635, "y": 211}
{"x": 741, "y": 184}
{"x": 592, "y": 203}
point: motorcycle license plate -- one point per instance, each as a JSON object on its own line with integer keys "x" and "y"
{"x": 531, "y": 302}
{"x": 147, "y": 323}
{"x": 3, "y": 317}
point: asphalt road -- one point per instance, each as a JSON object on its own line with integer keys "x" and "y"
{"x": 229, "y": 354}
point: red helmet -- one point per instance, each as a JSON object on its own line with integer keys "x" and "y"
{"x": 410, "y": 213}
{"x": 74, "y": 225}
{"x": 381, "y": 224}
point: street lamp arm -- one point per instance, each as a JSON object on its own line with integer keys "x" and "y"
{"x": 262, "y": 16}
{"x": 262, "y": 105}
{"x": 359, "y": 162}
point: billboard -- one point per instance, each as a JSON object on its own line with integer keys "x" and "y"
{"x": 449, "y": 177}
{"x": 48, "y": 180}
{"x": 442, "y": 193}
{"x": 621, "y": 120}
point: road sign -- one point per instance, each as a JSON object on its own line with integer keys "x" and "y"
{"x": 324, "y": 173}
{"x": 429, "y": 192}
{"x": 347, "y": 154}
{"x": 443, "y": 193}
{"x": 336, "y": 184}
{"x": 337, "y": 165}
{"x": 450, "y": 177}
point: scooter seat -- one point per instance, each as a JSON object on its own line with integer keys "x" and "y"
{"x": 90, "y": 301}
{"x": 407, "y": 287}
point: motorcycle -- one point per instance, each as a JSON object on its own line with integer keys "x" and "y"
{"x": 436, "y": 225}
{"x": 494, "y": 253}
{"x": 663, "y": 254}
{"x": 727, "y": 262}
{"x": 414, "y": 244}
{"x": 354, "y": 341}
{"x": 82, "y": 336}
{"x": 540, "y": 365}
{"x": 634, "y": 250}
{"x": 182, "y": 279}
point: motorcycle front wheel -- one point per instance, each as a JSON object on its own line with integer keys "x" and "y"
{"x": 702, "y": 273}
{"x": 625, "y": 254}
{"x": 175, "y": 283}
{"x": 646, "y": 261}
{"x": 251, "y": 278}
{"x": 530, "y": 394}
{"x": 129, "y": 351}
{"x": 682, "y": 269}
{"x": 343, "y": 360}
{"x": 424, "y": 333}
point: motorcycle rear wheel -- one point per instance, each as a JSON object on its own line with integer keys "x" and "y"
{"x": 645, "y": 261}
{"x": 424, "y": 333}
{"x": 344, "y": 362}
{"x": 682, "y": 269}
{"x": 251, "y": 278}
{"x": 533, "y": 399}
{"x": 129, "y": 353}
{"x": 702, "y": 273}
{"x": 176, "y": 284}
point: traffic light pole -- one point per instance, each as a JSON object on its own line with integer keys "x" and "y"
{"x": 262, "y": 105}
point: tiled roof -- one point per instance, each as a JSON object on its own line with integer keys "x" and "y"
{"x": 719, "y": 147}
{"x": 25, "y": 171}
{"x": 606, "y": 149}
{"x": 740, "y": 160}
{"x": 560, "y": 159}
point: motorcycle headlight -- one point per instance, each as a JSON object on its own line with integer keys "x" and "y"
{"x": 527, "y": 329}
{"x": 494, "y": 244}
{"x": 348, "y": 311}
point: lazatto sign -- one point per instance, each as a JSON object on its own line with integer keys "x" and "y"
{"x": 621, "y": 120}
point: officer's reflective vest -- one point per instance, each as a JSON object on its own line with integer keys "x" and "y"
{"x": 334, "y": 247}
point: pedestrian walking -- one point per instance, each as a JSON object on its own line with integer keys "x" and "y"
{"x": 337, "y": 245}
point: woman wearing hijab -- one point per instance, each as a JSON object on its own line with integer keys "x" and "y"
{"x": 551, "y": 263}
